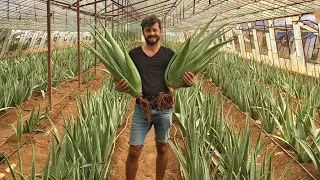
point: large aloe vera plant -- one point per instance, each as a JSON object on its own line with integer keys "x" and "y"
{"x": 194, "y": 55}
{"x": 117, "y": 60}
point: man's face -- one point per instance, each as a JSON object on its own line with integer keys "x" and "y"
{"x": 152, "y": 34}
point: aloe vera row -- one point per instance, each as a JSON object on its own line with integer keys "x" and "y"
{"x": 84, "y": 149}
{"x": 21, "y": 76}
{"x": 295, "y": 125}
{"x": 206, "y": 134}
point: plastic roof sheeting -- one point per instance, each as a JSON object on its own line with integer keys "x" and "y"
{"x": 239, "y": 11}
{"x": 180, "y": 14}
{"x": 32, "y": 14}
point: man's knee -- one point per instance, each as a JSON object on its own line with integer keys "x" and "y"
{"x": 162, "y": 148}
{"x": 134, "y": 151}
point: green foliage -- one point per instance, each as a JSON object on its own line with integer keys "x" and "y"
{"x": 21, "y": 76}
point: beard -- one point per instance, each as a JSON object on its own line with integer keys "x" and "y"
{"x": 149, "y": 40}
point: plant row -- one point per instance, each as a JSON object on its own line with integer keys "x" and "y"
{"x": 211, "y": 149}
{"x": 21, "y": 76}
{"x": 84, "y": 149}
{"x": 293, "y": 122}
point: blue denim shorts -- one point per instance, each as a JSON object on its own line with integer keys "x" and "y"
{"x": 140, "y": 126}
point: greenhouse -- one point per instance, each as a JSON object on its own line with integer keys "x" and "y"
{"x": 148, "y": 89}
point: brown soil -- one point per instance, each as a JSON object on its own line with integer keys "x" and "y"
{"x": 147, "y": 160}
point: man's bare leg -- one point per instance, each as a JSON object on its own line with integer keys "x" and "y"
{"x": 132, "y": 162}
{"x": 162, "y": 160}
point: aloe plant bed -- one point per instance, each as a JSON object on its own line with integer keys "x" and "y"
{"x": 59, "y": 98}
{"x": 41, "y": 141}
{"x": 21, "y": 76}
{"x": 290, "y": 119}
{"x": 147, "y": 165}
{"x": 280, "y": 159}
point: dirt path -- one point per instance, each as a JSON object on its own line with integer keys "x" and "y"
{"x": 147, "y": 161}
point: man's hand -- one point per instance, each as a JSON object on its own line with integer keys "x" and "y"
{"x": 121, "y": 86}
{"x": 188, "y": 78}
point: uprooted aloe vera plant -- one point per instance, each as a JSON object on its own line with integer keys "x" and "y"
{"x": 194, "y": 55}
{"x": 117, "y": 60}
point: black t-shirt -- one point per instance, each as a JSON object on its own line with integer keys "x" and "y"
{"x": 151, "y": 70}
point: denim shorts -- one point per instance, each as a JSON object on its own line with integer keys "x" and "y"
{"x": 140, "y": 126}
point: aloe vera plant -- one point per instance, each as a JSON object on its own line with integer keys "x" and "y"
{"x": 117, "y": 60}
{"x": 87, "y": 78}
{"x": 35, "y": 119}
{"x": 193, "y": 56}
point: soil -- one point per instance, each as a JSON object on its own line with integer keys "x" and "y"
{"x": 146, "y": 170}
{"x": 147, "y": 160}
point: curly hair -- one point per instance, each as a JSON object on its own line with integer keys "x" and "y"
{"x": 149, "y": 21}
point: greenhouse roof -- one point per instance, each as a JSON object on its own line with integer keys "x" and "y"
{"x": 180, "y": 14}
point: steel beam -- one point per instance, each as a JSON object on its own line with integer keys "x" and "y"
{"x": 95, "y": 42}
{"x": 125, "y": 6}
{"x": 148, "y": 12}
{"x": 69, "y": 7}
{"x": 49, "y": 54}
{"x": 95, "y": 2}
{"x": 146, "y": 7}
{"x": 78, "y": 43}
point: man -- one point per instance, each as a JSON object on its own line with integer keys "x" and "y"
{"x": 151, "y": 60}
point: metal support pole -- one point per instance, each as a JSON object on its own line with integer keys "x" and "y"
{"x": 8, "y": 11}
{"x": 288, "y": 44}
{"x": 123, "y": 20}
{"x": 105, "y": 19}
{"x": 95, "y": 42}
{"x": 78, "y": 29}
{"x": 165, "y": 29}
{"x": 118, "y": 21}
{"x": 127, "y": 2}
{"x": 112, "y": 25}
{"x": 49, "y": 55}
{"x": 194, "y": 6}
